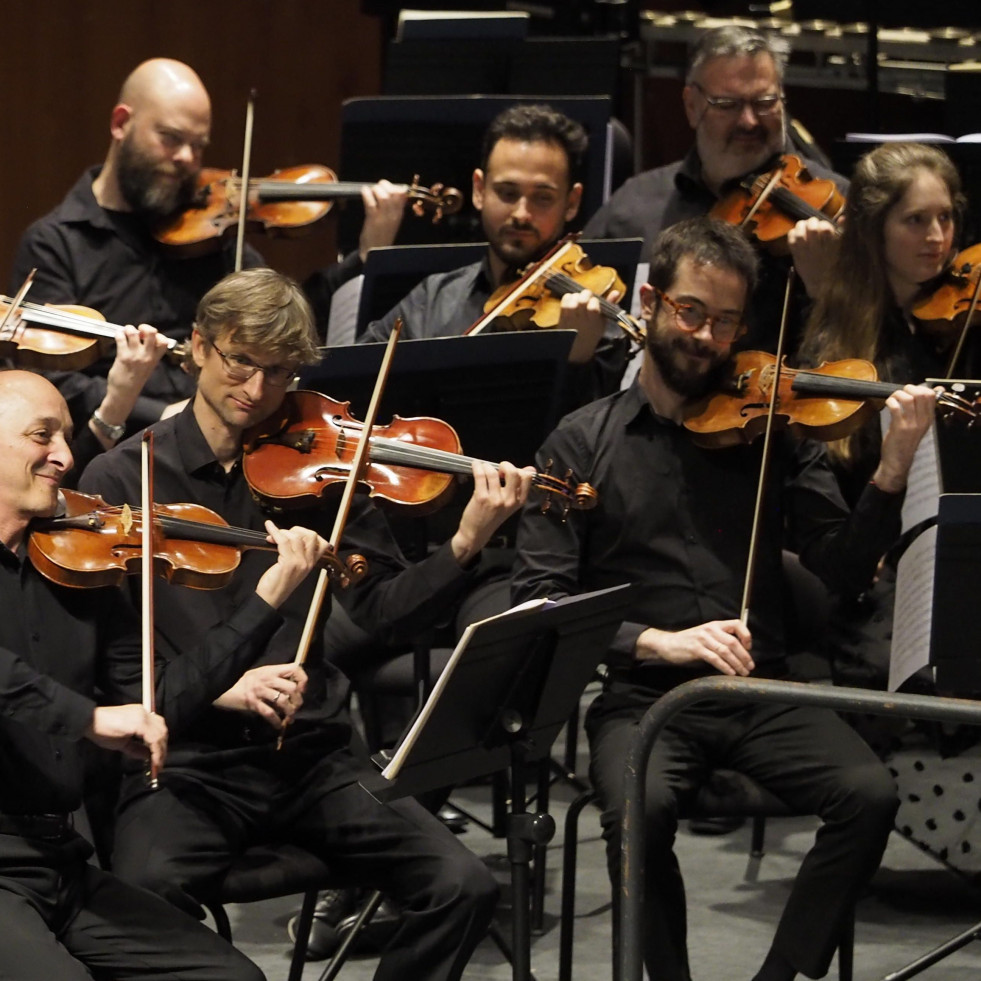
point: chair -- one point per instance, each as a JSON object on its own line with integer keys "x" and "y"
{"x": 726, "y": 793}
{"x": 270, "y": 871}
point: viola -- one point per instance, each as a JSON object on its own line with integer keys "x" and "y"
{"x": 55, "y": 337}
{"x": 299, "y": 453}
{"x": 827, "y": 403}
{"x": 286, "y": 203}
{"x": 97, "y": 544}
{"x": 768, "y": 206}
{"x": 535, "y": 300}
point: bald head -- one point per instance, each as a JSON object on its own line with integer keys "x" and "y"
{"x": 160, "y": 127}
{"x": 163, "y": 81}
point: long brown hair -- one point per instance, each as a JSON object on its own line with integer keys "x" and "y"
{"x": 847, "y": 316}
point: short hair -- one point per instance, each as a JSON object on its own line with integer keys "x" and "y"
{"x": 260, "y": 308}
{"x": 734, "y": 41}
{"x": 707, "y": 242}
{"x": 538, "y": 123}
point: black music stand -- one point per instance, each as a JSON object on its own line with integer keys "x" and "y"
{"x": 501, "y": 702}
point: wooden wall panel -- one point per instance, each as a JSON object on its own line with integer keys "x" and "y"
{"x": 64, "y": 60}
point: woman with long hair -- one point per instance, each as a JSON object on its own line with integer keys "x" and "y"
{"x": 902, "y": 216}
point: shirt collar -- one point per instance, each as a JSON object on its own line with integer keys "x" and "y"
{"x": 80, "y": 204}
{"x": 196, "y": 454}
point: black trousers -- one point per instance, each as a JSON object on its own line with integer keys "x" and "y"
{"x": 62, "y": 919}
{"x": 179, "y": 840}
{"x": 807, "y": 757}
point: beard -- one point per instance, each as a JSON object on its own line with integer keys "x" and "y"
{"x": 142, "y": 184}
{"x": 672, "y": 354}
{"x": 517, "y": 254}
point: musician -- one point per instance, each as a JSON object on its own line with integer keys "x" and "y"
{"x": 526, "y": 189}
{"x": 97, "y": 247}
{"x": 226, "y": 784}
{"x": 734, "y": 102}
{"x": 903, "y": 214}
{"x": 674, "y": 519}
{"x": 61, "y": 917}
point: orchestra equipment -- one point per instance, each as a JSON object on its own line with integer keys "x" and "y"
{"x": 285, "y": 203}
{"x": 827, "y": 403}
{"x": 535, "y": 300}
{"x": 768, "y": 206}
{"x": 305, "y": 450}
{"x": 97, "y": 544}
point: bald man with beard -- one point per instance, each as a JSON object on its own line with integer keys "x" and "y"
{"x": 97, "y": 247}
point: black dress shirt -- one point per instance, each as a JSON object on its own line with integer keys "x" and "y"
{"x": 393, "y": 602}
{"x": 657, "y": 199}
{"x": 58, "y": 645}
{"x": 109, "y": 260}
{"x": 675, "y": 519}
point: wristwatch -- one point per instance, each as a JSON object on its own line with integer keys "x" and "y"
{"x": 115, "y": 433}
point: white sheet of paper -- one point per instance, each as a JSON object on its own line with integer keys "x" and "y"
{"x": 913, "y": 615}
{"x": 923, "y": 486}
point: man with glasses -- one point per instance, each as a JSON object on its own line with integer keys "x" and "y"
{"x": 226, "y": 785}
{"x": 674, "y": 519}
{"x": 734, "y": 101}
{"x": 97, "y": 247}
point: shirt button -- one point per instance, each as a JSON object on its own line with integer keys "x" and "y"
{"x": 57, "y": 754}
{"x": 35, "y": 637}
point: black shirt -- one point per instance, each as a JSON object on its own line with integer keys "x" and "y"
{"x": 109, "y": 260}
{"x": 57, "y": 645}
{"x": 393, "y": 601}
{"x": 675, "y": 519}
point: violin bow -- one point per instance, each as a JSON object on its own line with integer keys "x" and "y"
{"x": 357, "y": 466}
{"x": 146, "y": 585}
{"x": 17, "y": 300}
{"x": 243, "y": 203}
{"x": 955, "y": 357}
{"x": 765, "y": 463}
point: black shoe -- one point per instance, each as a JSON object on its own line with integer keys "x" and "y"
{"x": 455, "y": 820}
{"x": 333, "y": 906}
{"x": 721, "y": 825}
{"x": 376, "y": 933}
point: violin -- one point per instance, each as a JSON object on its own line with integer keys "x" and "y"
{"x": 535, "y": 300}
{"x": 827, "y": 403}
{"x": 945, "y": 310}
{"x": 299, "y": 453}
{"x": 97, "y": 544}
{"x": 286, "y": 204}
{"x": 55, "y": 337}
{"x": 769, "y": 205}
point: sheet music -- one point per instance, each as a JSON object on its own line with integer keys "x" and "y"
{"x": 923, "y": 485}
{"x": 398, "y": 758}
{"x": 913, "y": 615}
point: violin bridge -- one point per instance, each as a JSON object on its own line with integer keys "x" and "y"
{"x": 126, "y": 519}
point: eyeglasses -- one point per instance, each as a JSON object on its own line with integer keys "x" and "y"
{"x": 240, "y": 368}
{"x": 692, "y": 317}
{"x": 765, "y": 105}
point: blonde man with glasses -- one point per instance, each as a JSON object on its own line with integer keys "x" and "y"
{"x": 226, "y": 786}
{"x": 734, "y": 102}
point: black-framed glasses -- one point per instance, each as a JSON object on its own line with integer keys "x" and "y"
{"x": 240, "y": 368}
{"x": 765, "y": 105}
{"x": 694, "y": 316}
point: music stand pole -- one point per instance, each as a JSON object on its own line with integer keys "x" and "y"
{"x": 505, "y": 694}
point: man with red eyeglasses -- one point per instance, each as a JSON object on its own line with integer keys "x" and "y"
{"x": 674, "y": 519}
